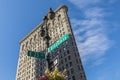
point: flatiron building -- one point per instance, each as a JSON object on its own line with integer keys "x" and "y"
{"x": 67, "y": 55}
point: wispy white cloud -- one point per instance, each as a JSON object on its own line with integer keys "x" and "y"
{"x": 90, "y": 32}
{"x": 91, "y": 38}
{"x": 94, "y": 12}
{"x": 84, "y": 3}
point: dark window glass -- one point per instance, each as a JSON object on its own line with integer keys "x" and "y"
{"x": 73, "y": 77}
{"x": 67, "y": 51}
{"x": 65, "y": 60}
{"x": 68, "y": 73}
{"x": 70, "y": 64}
{"x": 78, "y": 67}
{"x": 69, "y": 57}
{"x": 66, "y": 65}
{"x": 72, "y": 71}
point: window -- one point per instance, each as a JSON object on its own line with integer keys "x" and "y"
{"x": 63, "y": 68}
{"x": 34, "y": 37}
{"x": 70, "y": 64}
{"x": 63, "y": 33}
{"x": 26, "y": 43}
{"x": 78, "y": 67}
{"x": 68, "y": 73}
{"x": 81, "y": 76}
{"x": 65, "y": 60}
{"x": 23, "y": 47}
{"x": 62, "y": 29}
{"x": 69, "y": 57}
{"x": 75, "y": 55}
{"x": 60, "y": 56}
{"x": 30, "y": 40}
{"x": 64, "y": 53}
{"x": 77, "y": 61}
{"x": 67, "y": 51}
{"x": 66, "y": 65}
{"x": 61, "y": 61}
{"x": 72, "y": 71}
{"x": 59, "y": 16}
{"x": 49, "y": 25}
{"x": 73, "y": 77}
{"x": 53, "y": 21}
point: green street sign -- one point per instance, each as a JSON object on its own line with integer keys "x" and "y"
{"x": 57, "y": 43}
{"x": 36, "y": 54}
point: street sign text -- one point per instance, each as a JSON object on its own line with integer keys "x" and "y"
{"x": 57, "y": 43}
{"x": 36, "y": 54}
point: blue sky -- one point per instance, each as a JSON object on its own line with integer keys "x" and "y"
{"x": 96, "y": 26}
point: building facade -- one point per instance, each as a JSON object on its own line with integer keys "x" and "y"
{"x": 67, "y": 55}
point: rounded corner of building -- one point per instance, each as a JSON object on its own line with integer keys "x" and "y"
{"x": 65, "y": 6}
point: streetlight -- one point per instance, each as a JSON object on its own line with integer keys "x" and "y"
{"x": 44, "y": 33}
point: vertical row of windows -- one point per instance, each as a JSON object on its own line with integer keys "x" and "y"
{"x": 26, "y": 67}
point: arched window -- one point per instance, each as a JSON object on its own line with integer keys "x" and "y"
{"x": 23, "y": 47}
{"x": 59, "y": 16}
{"x": 26, "y": 44}
{"x": 35, "y": 37}
{"x": 31, "y": 40}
